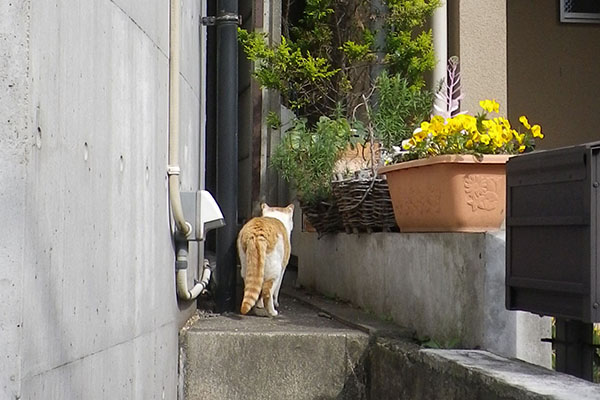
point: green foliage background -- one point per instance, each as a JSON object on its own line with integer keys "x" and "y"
{"x": 399, "y": 110}
{"x": 307, "y": 155}
{"x": 322, "y": 65}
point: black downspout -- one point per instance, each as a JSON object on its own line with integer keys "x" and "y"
{"x": 211, "y": 119}
{"x": 227, "y": 151}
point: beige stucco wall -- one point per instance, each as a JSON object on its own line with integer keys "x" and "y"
{"x": 479, "y": 40}
{"x": 553, "y": 72}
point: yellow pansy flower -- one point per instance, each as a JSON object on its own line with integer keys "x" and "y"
{"x": 496, "y": 135}
{"x": 455, "y": 124}
{"x": 437, "y": 124}
{"x": 419, "y": 134}
{"x": 518, "y": 136}
{"x": 502, "y": 121}
{"x": 507, "y": 135}
{"x": 470, "y": 123}
{"x": 489, "y": 105}
{"x": 408, "y": 144}
{"x": 523, "y": 120}
{"x": 537, "y": 131}
{"x": 470, "y": 133}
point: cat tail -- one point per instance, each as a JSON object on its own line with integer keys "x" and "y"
{"x": 256, "y": 251}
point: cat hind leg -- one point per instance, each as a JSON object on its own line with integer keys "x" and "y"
{"x": 276, "y": 290}
{"x": 267, "y": 295}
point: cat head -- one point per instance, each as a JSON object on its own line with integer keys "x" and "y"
{"x": 284, "y": 214}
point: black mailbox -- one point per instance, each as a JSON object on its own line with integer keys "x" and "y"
{"x": 552, "y": 233}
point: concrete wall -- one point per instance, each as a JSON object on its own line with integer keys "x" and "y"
{"x": 15, "y": 143}
{"x": 553, "y": 72}
{"x": 87, "y": 267}
{"x": 447, "y": 286}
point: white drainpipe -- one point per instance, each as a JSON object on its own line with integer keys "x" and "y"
{"x": 173, "y": 168}
{"x": 183, "y": 228}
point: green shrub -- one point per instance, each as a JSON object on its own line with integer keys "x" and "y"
{"x": 306, "y": 156}
{"x": 323, "y": 62}
{"x": 409, "y": 47}
{"x": 323, "y": 65}
{"x": 399, "y": 110}
{"x": 301, "y": 78}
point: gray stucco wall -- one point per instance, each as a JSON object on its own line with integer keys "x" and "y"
{"x": 446, "y": 286}
{"x": 86, "y": 261}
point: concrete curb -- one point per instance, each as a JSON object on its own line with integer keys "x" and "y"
{"x": 349, "y": 315}
{"x": 401, "y": 369}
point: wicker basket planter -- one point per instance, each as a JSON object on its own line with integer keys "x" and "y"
{"x": 323, "y": 217}
{"x": 364, "y": 203}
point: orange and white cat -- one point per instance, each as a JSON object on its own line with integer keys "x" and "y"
{"x": 264, "y": 249}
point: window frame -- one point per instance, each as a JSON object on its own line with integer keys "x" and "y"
{"x": 577, "y": 17}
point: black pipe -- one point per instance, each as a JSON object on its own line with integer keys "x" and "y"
{"x": 211, "y": 119}
{"x": 574, "y": 348}
{"x": 227, "y": 151}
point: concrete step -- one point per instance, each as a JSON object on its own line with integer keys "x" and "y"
{"x": 321, "y": 349}
{"x": 301, "y": 354}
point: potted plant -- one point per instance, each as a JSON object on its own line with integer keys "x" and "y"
{"x": 315, "y": 67}
{"x": 322, "y": 67}
{"x": 306, "y": 157}
{"x": 392, "y": 110}
{"x": 455, "y": 180}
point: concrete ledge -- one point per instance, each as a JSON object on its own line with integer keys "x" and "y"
{"x": 466, "y": 375}
{"x": 513, "y": 376}
{"x": 349, "y": 315}
{"x": 300, "y": 355}
{"x": 398, "y": 368}
{"x": 447, "y": 286}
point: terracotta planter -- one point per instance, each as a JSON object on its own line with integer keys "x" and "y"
{"x": 449, "y": 193}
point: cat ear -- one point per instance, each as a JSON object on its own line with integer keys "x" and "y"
{"x": 291, "y": 207}
{"x": 263, "y": 206}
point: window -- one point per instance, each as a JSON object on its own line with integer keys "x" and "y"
{"x": 580, "y": 11}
